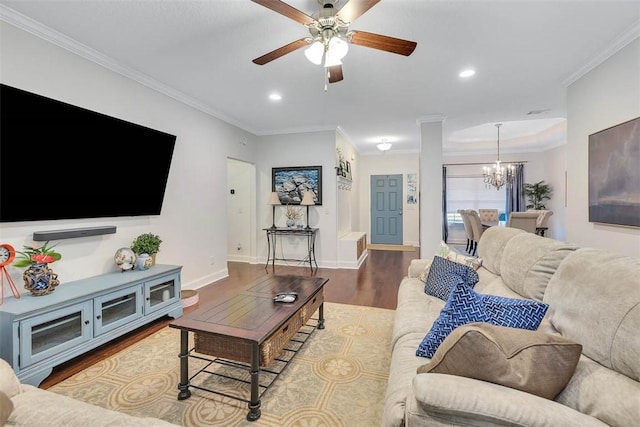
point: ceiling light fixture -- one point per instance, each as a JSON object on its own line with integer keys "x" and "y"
{"x": 275, "y": 97}
{"x": 467, "y": 73}
{"x": 384, "y": 145}
{"x": 497, "y": 175}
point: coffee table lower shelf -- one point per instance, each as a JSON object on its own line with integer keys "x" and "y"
{"x": 232, "y": 370}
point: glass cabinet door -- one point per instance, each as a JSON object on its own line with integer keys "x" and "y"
{"x": 116, "y": 309}
{"x": 160, "y": 293}
{"x": 50, "y": 333}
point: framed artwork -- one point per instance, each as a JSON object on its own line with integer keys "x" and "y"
{"x": 291, "y": 182}
{"x": 347, "y": 169}
{"x": 614, "y": 175}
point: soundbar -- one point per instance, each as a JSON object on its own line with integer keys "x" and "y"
{"x": 41, "y": 236}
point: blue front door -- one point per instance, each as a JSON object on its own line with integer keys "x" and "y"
{"x": 386, "y": 209}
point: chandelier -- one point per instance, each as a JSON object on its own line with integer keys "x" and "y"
{"x": 497, "y": 175}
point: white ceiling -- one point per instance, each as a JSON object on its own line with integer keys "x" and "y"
{"x": 524, "y": 53}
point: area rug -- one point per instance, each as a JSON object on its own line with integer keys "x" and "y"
{"x": 379, "y": 247}
{"x": 337, "y": 378}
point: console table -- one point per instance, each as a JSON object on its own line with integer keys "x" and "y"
{"x": 38, "y": 333}
{"x": 272, "y": 236}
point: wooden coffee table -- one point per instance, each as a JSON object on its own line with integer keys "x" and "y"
{"x": 249, "y": 327}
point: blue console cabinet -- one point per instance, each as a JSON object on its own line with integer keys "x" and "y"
{"x": 38, "y": 333}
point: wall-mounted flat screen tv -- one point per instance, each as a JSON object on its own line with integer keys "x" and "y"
{"x": 60, "y": 161}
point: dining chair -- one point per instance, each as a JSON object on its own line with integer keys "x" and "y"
{"x": 488, "y": 215}
{"x": 527, "y": 221}
{"x": 478, "y": 229}
{"x": 543, "y": 220}
{"x": 467, "y": 228}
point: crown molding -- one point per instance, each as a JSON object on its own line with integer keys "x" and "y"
{"x": 52, "y": 36}
{"x": 627, "y": 37}
{"x": 431, "y": 118}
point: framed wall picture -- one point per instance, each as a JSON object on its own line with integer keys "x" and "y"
{"x": 348, "y": 169}
{"x": 614, "y": 175}
{"x": 291, "y": 182}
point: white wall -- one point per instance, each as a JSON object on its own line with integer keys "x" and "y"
{"x": 192, "y": 226}
{"x": 606, "y": 96}
{"x": 386, "y": 164}
{"x": 302, "y": 149}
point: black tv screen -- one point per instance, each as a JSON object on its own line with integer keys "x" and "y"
{"x": 60, "y": 161}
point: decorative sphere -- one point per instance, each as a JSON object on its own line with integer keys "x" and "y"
{"x": 125, "y": 259}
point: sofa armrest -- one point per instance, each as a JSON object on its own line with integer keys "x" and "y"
{"x": 9, "y": 383}
{"x": 417, "y": 266}
{"x": 441, "y": 399}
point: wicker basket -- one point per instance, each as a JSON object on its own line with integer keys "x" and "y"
{"x": 309, "y": 308}
{"x": 223, "y": 346}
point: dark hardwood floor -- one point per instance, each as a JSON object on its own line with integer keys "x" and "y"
{"x": 375, "y": 284}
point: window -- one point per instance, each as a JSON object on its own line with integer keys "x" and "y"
{"x": 469, "y": 192}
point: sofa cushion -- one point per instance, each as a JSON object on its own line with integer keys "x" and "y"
{"x": 445, "y": 251}
{"x": 491, "y": 246}
{"x": 444, "y": 275}
{"x": 529, "y": 261}
{"x": 529, "y": 361}
{"x": 514, "y": 312}
{"x": 594, "y": 299}
{"x": 6, "y": 406}
{"x": 463, "y": 306}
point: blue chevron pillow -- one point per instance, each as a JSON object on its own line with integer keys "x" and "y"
{"x": 444, "y": 275}
{"x": 513, "y": 312}
{"x": 463, "y": 306}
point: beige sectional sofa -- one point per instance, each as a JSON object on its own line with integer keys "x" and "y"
{"x": 594, "y": 300}
{"x": 28, "y": 406}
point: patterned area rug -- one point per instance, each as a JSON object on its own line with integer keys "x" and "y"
{"x": 337, "y": 379}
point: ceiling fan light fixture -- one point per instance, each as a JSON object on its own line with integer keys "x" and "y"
{"x": 315, "y": 52}
{"x": 338, "y": 47}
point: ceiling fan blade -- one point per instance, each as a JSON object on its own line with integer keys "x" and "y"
{"x": 335, "y": 73}
{"x": 355, "y": 8}
{"x": 386, "y": 43}
{"x": 281, "y": 51}
{"x": 284, "y": 9}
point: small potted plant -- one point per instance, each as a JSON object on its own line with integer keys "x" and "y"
{"x": 537, "y": 194}
{"x": 293, "y": 214}
{"x": 147, "y": 243}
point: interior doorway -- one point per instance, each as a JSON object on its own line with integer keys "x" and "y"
{"x": 386, "y": 209}
{"x": 241, "y": 196}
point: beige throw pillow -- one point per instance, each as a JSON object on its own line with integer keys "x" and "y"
{"x": 6, "y": 406}
{"x": 530, "y": 361}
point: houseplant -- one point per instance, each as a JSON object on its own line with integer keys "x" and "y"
{"x": 293, "y": 214}
{"x": 147, "y": 243}
{"x": 537, "y": 194}
{"x": 38, "y": 278}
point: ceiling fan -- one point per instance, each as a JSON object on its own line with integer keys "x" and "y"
{"x": 330, "y": 34}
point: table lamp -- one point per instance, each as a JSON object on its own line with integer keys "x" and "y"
{"x": 307, "y": 200}
{"x": 273, "y": 201}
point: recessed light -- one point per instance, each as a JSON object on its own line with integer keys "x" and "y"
{"x": 275, "y": 97}
{"x": 467, "y": 73}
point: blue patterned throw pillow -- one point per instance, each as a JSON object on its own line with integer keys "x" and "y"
{"x": 463, "y": 306}
{"x": 444, "y": 275}
{"x": 513, "y": 312}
